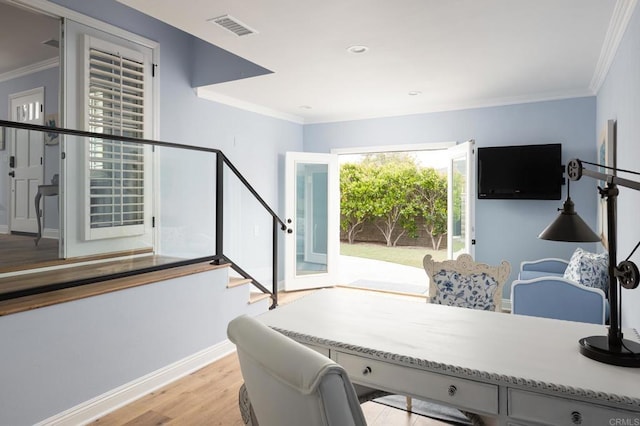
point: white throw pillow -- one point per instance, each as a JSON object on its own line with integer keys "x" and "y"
{"x": 589, "y": 269}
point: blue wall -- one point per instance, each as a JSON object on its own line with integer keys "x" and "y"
{"x": 505, "y": 229}
{"x": 619, "y": 99}
{"x": 187, "y": 119}
{"x": 247, "y": 138}
{"x": 254, "y": 143}
{"x": 195, "y": 316}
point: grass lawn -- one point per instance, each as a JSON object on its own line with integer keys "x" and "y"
{"x": 410, "y": 256}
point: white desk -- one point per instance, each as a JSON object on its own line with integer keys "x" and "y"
{"x": 511, "y": 369}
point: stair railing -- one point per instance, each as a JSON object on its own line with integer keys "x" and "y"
{"x": 219, "y": 257}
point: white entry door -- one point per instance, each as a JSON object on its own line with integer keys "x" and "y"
{"x": 26, "y": 155}
{"x": 460, "y": 197}
{"x": 312, "y": 194}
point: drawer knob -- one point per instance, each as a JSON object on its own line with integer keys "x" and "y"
{"x": 452, "y": 390}
{"x": 366, "y": 370}
{"x": 576, "y": 418}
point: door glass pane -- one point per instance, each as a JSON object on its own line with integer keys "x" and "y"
{"x": 311, "y": 218}
{"x": 459, "y": 206}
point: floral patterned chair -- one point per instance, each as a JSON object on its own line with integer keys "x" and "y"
{"x": 465, "y": 283}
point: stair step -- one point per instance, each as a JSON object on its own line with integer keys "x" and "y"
{"x": 237, "y": 281}
{"x": 256, "y": 297}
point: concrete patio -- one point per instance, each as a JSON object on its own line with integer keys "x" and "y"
{"x": 380, "y": 275}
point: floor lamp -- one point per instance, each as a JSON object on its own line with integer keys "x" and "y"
{"x": 613, "y": 348}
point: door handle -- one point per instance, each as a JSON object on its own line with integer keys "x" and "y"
{"x": 12, "y": 173}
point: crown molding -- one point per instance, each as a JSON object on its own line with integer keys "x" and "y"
{"x": 208, "y": 94}
{"x": 205, "y": 93}
{"x": 30, "y": 69}
{"x": 622, "y": 13}
{"x": 436, "y": 108}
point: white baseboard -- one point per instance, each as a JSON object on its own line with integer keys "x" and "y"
{"x": 46, "y": 232}
{"x": 51, "y": 233}
{"x": 97, "y": 407}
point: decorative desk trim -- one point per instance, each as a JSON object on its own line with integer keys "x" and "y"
{"x": 465, "y": 372}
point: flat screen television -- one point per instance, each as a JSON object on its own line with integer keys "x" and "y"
{"x": 523, "y": 172}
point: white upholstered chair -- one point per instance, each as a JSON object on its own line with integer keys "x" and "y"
{"x": 290, "y": 384}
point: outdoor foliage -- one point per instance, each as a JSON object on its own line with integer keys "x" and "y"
{"x": 355, "y": 199}
{"x": 431, "y": 201}
{"x": 391, "y": 191}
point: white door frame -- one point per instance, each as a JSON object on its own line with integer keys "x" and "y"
{"x": 463, "y": 150}
{"x": 294, "y": 280}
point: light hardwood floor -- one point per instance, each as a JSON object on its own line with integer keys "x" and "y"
{"x": 209, "y": 396}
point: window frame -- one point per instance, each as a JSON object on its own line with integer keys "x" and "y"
{"x": 97, "y": 233}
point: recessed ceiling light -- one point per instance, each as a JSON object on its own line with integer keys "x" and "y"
{"x": 305, "y": 106}
{"x": 415, "y": 93}
{"x": 357, "y": 49}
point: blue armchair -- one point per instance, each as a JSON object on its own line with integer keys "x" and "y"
{"x": 541, "y": 290}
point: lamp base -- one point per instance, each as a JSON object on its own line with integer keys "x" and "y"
{"x": 597, "y": 348}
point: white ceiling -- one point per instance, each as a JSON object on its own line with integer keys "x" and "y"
{"x": 457, "y": 53}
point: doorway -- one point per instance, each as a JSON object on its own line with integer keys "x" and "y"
{"x": 399, "y": 204}
{"x": 318, "y": 216}
{"x": 29, "y": 82}
{"x": 26, "y": 160}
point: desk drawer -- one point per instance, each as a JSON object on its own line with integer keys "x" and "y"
{"x": 462, "y": 393}
{"x": 323, "y": 351}
{"x": 549, "y": 410}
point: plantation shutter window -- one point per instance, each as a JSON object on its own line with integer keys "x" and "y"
{"x": 116, "y": 170}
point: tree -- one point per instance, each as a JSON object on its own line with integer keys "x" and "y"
{"x": 391, "y": 191}
{"x": 392, "y": 187}
{"x": 355, "y": 198}
{"x": 431, "y": 199}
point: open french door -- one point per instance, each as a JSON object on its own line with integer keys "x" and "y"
{"x": 312, "y": 195}
{"x": 460, "y": 200}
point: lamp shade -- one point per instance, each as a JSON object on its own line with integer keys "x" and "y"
{"x": 569, "y": 227}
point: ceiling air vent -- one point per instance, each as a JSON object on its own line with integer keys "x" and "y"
{"x": 230, "y": 23}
